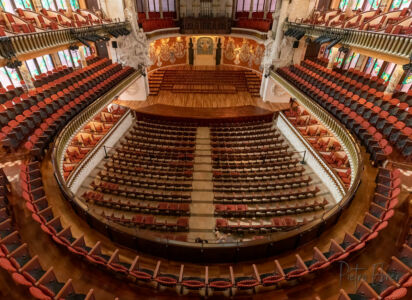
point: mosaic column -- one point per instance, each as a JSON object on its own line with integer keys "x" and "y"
{"x": 395, "y": 79}
{"x": 25, "y": 73}
{"x": 332, "y": 57}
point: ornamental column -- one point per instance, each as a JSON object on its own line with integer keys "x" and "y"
{"x": 37, "y": 6}
{"x": 251, "y": 9}
{"x": 266, "y": 9}
{"x": 146, "y": 8}
{"x": 395, "y": 79}
{"x": 25, "y": 73}
{"x": 69, "y": 8}
{"x": 283, "y": 14}
{"x": 234, "y": 9}
{"x": 161, "y": 9}
{"x": 332, "y": 57}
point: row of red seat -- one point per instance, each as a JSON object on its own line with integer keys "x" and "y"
{"x": 45, "y": 118}
{"x": 323, "y": 141}
{"x": 375, "y": 221}
{"x": 374, "y": 20}
{"x": 370, "y": 119}
{"x": 155, "y": 24}
{"x": 146, "y": 207}
{"x": 89, "y": 136}
{"x": 150, "y": 222}
{"x": 391, "y": 282}
{"x": 24, "y": 267}
{"x": 268, "y": 210}
{"x": 36, "y": 105}
{"x": 260, "y": 25}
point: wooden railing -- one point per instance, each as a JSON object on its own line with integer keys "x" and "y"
{"x": 389, "y": 44}
{"x": 32, "y": 42}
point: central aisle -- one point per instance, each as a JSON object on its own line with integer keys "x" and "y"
{"x": 202, "y": 221}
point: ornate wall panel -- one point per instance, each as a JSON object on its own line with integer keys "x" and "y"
{"x": 168, "y": 51}
{"x": 243, "y": 52}
{"x": 237, "y": 51}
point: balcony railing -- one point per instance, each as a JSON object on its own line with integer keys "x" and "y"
{"x": 20, "y": 44}
{"x": 384, "y": 43}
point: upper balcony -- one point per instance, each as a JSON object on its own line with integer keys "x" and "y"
{"x": 362, "y": 31}
{"x": 27, "y": 31}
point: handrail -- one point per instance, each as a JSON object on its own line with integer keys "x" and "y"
{"x": 67, "y": 134}
{"x": 384, "y": 43}
{"x": 346, "y": 139}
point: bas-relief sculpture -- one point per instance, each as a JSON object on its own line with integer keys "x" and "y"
{"x": 133, "y": 49}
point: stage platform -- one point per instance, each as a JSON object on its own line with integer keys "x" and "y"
{"x": 204, "y": 114}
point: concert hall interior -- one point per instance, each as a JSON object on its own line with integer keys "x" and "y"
{"x": 194, "y": 149}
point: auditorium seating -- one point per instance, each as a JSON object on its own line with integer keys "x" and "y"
{"x": 255, "y": 175}
{"x": 25, "y": 268}
{"x": 204, "y": 82}
{"x": 256, "y": 22}
{"x": 36, "y": 116}
{"x": 380, "y": 122}
{"x": 393, "y": 21}
{"x": 322, "y": 140}
{"x": 148, "y": 173}
{"x": 89, "y": 136}
{"x": 389, "y": 282}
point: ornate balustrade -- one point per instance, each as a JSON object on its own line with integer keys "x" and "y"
{"x": 20, "y": 44}
{"x": 389, "y": 44}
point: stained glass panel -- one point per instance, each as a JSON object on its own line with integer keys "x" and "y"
{"x": 15, "y": 78}
{"x": 74, "y": 4}
{"x": 49, "y": 62}
{"x": 23, "y": 4}
{"x": 343, "y": 4}
{"x": 407, "y": 82}
{"x": 61, "y": 4}
{"x": 48, "y": 4}
{"x": 62, "y": 58}
{"x": 386, "y": 75}
{"x": 377, "y": 67}
{"x": 6, "y": 5}
{"x": 32, "y": 68}
{"x": 354, "y": 60}
{"x": 42, "y": 64}
{"x": 68, "y": 58}
{"x": 4, "y": 78}
{"x": 76, "y": 58}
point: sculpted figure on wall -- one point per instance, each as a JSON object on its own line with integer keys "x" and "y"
{"x": 133, "y": 50}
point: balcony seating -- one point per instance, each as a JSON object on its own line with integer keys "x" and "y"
{"x": 89, "y": 136}
{"x": 155, "y": 24}
{"x": 257, "y": 21}
{"x": 43, "y": 112}
{"x": 374, "y": 221}
{"x": 391, "y": 283}
{"x": 25, "y": 268}
{"x": 356, "y": 102}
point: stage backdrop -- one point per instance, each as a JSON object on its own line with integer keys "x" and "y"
{"x": 235, "y": 51}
